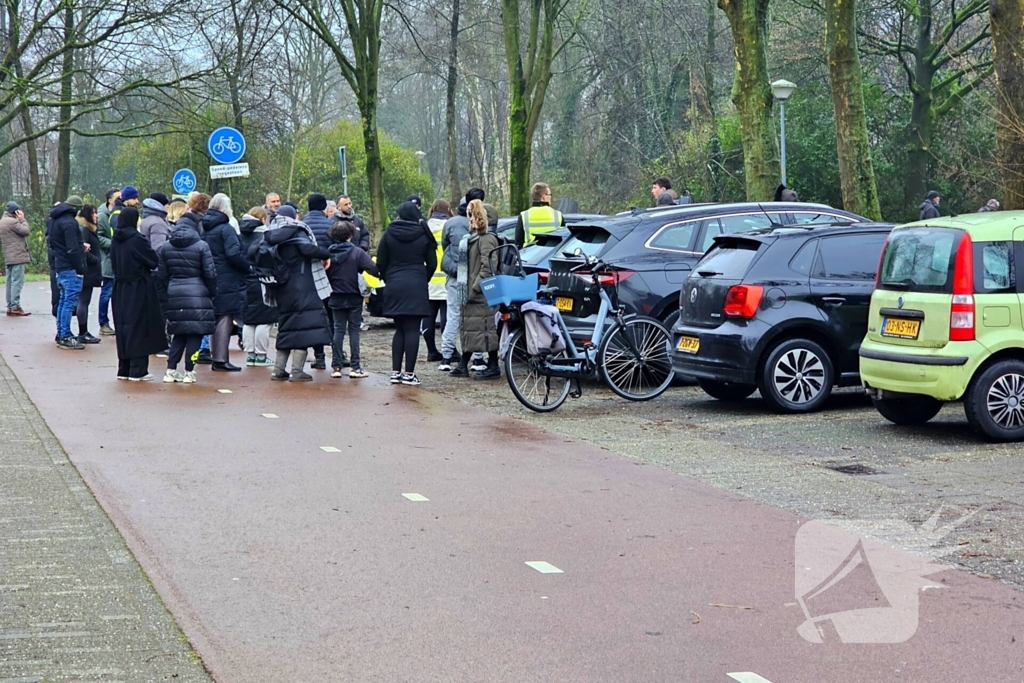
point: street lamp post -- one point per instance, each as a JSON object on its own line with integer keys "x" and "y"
{"x": 420, "y": 154}
{"x": 782, "y": 89}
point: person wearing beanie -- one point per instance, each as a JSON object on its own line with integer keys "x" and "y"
{"x": 930, "y": 206}
{"x": 320, "y": 224}
{"x": 14, "y": 232}
{"x": 415, "y": 199}
{"x": 155, "y": 227}
{"x": 160, "y": 197}
{"x": 129, "y": 197}
{"x": 67, "y": 250}
{"x": 140, "y": 323}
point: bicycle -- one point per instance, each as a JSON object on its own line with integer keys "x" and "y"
{"x": 227, "y": 143}
{"x": 632, "y": 357}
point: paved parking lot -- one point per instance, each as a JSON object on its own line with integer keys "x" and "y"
{"x": 845, "y": 463}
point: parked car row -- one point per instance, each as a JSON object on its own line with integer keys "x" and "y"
{"x": 919, "y": 314}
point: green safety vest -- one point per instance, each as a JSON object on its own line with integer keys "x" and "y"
{"x": 538, "y": 220}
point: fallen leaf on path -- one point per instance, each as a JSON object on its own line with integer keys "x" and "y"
{"x": 718, "y": 604}
{"x": 697, "y": 620}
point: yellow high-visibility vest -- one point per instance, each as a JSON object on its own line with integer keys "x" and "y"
{"x": 538, "y": 220}
{"x": 439, "y": 277}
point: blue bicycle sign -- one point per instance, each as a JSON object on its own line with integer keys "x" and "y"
{"x": 184, "y": 181}
{"x": 226, "y": 145}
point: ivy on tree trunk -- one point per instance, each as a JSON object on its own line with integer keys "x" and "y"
{"x": 752, "y": 96}
{"x": 1008, "y": 45}
{"x": 856, "y": 173}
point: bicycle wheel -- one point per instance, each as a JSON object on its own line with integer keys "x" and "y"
{"x": 634, "y": 359}
{"x": 539, "y": 392}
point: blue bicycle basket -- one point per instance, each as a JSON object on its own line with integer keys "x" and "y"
{"x": 509, "y": 289}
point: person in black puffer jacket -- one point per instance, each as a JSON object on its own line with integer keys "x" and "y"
{"x": 301, "y": 321}
{"x": 93, "y": 277}
{"x": 67, "y": 259}
{"x": 187, "y": 279}
{"x": 317, "y": 220}
{"x": 232, "y": 270}
{"x": 407, "y": 259}
{"x": 257, "y": 317}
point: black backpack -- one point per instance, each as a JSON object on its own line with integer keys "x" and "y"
{"x": 269, "y": 266}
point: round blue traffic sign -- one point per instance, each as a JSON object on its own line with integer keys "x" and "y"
{"x": 226, "y": 145}
{"x": 184, "y": 181}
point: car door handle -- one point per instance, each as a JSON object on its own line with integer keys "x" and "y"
{"x": 834, "y": 300}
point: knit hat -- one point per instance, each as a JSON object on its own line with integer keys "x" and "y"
{"x": 932, "y": 194}
{"x": 160, "y": 197}
{"x": 129, "y": 192}
{"x": 415, "y": 199}
{"x": 75, "y": 201}
{"x": 287, "y": 211}
{"x": 13, "y": 207}
{"x": 316, "y": 202}
{"x": 474, "y": 193}
{"x": 492, "y": 214}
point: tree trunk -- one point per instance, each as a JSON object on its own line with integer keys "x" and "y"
{"x": 62, "y": 181}
{"x": 1007, "y": 22}
{"x": 922, "y": 118}
{"x": 519, "y": 156}
{"x": 856, "y": 174}
{"x": 752, "y": 96}
{"x": 449, "y": 116}
{"x": 35, "y": 186}
{"x": 374, "y": 166}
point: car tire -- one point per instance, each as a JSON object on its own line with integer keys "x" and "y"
{"x": 908, "y": 411}
{"x": 726, "y": 391}
{"x": 994, "y": 402}
{"x": 796, "y": 377}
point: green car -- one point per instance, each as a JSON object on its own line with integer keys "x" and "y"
{"x": 945, "y": 323}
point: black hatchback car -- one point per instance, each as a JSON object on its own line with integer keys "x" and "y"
{"x": 781, "y": 310}
{"x": 653, "y": 252}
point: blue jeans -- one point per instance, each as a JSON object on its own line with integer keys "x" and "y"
{"x": 15, "y": 281}
{"x": 70, "y": 286}
{"x": 105, "y": 291}
{"x": 205, "y": 344}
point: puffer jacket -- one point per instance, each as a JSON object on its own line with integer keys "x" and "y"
{"x": 232, "y": 266}
{"x": 256, "y": 312}
{"x": 64, "y": 239}
{"x": 187, "y": 279}
{"x": 154, "y": 223}
{"x": 192, "y": 220}
{"x": 302, "y": 322}
{"x": 320, "y": 224}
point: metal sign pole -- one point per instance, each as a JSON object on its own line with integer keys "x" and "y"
{"x": 343, "y": 162}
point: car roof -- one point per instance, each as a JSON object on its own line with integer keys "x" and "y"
{"x": 815, "y": 229}
{"x": 987, "y": 226}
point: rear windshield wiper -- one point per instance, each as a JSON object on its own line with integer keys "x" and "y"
{"x": 908, "y": 282}
{"x": 708, "y": 273}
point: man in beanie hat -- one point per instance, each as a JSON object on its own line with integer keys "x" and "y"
{"x": 68, "y": 253}
{"x": 415, "y": 199}
{"x": 14, "y": 241}
{"x": 160, "y": 197}
{"x": 320, "y": 224}
{"x": 930, "y": 206}
{"x": 129, "y": 197}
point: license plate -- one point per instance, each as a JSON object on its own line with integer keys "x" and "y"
{"x": 901, "y": 328}
{"x": 688, "y": 344}
{"x": 563, "y": 303}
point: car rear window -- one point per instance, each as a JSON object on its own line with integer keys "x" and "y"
{"x": 589, "y": 242}
{"x": 920, "y": 260}
{"x": 535, "y": 253}
{"x": 729, "y": 259}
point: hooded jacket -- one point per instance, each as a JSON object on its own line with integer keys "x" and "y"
{"x": 454, "y": 230}
{"x": 154, "y": 226}
{"x": 65, "y": 240}
{"x": 256, "y": 312}
{"x": 14, "y": 239}
{"x": 232, "y": 267}
{"x": 406, "y": 259}
{"x": 93, "y": 265}
{"x": 302, "y": 321}
{"x": 928, "y": 210}
{"x": 187, "y": 278}
{"x": 347, "y": 261}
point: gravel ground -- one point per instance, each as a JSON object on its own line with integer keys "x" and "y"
{"x": 845, "y": 463}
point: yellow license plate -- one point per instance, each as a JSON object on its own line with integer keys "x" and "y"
{"x": 563, "y": 303}
{"x": 688, "y": 344}
{"x": 901, "y": 328}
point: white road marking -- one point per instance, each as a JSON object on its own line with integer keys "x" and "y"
{"x": 748, "y": 677}
{"x": 330, "y": 449}
{"x": 270, "y": 416}
{"x": 544, "y": 567}
{"x": 223, "y": 391}
{"x": 416, "y": 498}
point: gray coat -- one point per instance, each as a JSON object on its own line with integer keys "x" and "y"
{"x": 452, "y": 233}
{"x": 154, "y": 226}
{"x": 14, "y": 239}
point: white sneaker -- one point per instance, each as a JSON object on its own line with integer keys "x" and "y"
{"x": 445, "y": 366}
{"x": 189, "y": 378}
{"x": 477, "y": 366}
{"x": 172, "y": 376}
{"x": 409, "y": 379}
{"x": 144, "y": 378}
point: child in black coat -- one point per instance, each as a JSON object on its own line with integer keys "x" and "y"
{"x": 347, "y": 262}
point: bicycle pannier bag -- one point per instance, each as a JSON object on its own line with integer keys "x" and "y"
{"x": 540, "y": 325}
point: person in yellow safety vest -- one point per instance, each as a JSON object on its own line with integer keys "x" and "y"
{"x": 539, "y": 218}
{"x": 440, "y": 212}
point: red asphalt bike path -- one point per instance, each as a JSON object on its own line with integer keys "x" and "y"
{"x": 283, "y": 562}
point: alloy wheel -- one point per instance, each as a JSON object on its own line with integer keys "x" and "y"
{"x": 1005, "y": 401}
{"x": 799, "y": 376}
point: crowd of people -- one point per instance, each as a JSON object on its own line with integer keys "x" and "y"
{"x": 180, "y": 278}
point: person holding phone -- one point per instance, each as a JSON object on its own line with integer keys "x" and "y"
{"x": 14, "y": 240}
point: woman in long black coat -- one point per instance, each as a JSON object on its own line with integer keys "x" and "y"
{"x": 257, "y": 318}
{"x": 140, "y": 325}
{"x": 232, "y": 269}
{"x": 407, "y": 259}
{"x": 93, "y": 277}
{"x": 301, "y": 322}
{"x": 188, "y": 280}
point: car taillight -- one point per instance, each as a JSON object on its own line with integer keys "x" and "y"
{"x": 961, "y": 315}
{"x": 612, "y": 277}
{"x": 542, "y": 278}
{"x": 881, "y": 258}
{"x": 741, "y": 301}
